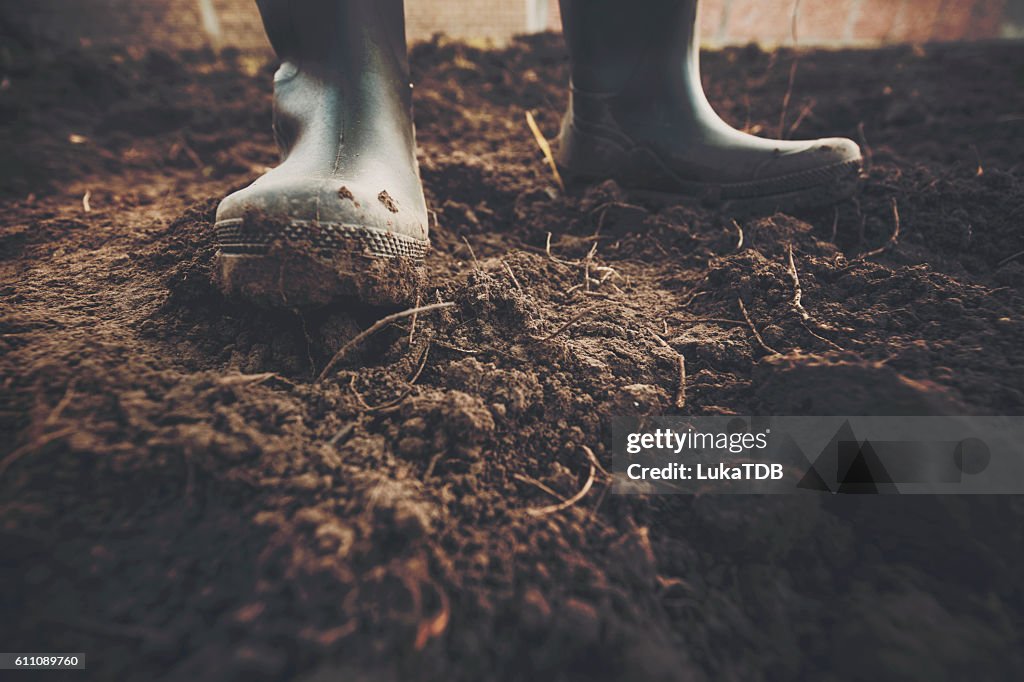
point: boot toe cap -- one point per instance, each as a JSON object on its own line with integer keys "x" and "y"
{"x": 328, "y": 215}
{"x": 835, "y": 150}
{"x": 325, "y": 201}
{"x": 796, "y": 158}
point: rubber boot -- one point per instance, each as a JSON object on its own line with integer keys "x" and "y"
{"x": 343, "y": 214}
{"x": 638, "y": 114}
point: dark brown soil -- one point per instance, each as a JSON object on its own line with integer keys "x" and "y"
{"x": 181, "y": 500}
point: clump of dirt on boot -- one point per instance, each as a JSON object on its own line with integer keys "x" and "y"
{"x": 182, "y": 497}
{"x": 288, "y": 272}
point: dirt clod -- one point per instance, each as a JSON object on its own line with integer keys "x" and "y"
{"x": 389, "y": 203}
{"x": 345, "y": 193}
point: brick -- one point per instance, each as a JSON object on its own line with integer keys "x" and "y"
{"x": 759, "y": 21}
{"x": 824, "y": 22}
{"x": 953, "y": 21}
{"x": 554, "y": 16}
{"x": 987, "y": 19}
{"x": 466, "y": 18}
{"x": 875, "y": 19}
{"x": 241, "y": 24}
{"x": 915, "y": 23}
{"x": 710, "y": 17}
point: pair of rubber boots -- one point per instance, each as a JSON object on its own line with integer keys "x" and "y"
{"x": 344, "y": 214}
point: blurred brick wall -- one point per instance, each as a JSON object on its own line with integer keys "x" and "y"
{"x": 197, "y": 23}
{"x": 856, "y": 22}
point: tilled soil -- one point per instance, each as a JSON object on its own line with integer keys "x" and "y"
{"x": 181, "y": 499}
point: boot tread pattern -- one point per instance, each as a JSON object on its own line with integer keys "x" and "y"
{"x": 234, "y": 236}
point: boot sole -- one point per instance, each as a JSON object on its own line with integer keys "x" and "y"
{"x": 307, "y": 264}
{"x": 812, "y": 188}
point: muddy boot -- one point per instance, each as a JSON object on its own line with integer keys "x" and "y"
{"x": 343, "y": 215}
{"x": 638, "y": 114}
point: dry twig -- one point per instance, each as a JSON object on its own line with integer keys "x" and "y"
{"x": 342, "y": 432}
{"x": 32, "y": 446}
{"x": 1010, "y": 258}
{"x": 472, "y": 255}
{"x": 58, "y": 409}
{"x": 595, "y": 466}
{"x": 681, "y": 393}
{"x": 376, "y": 327}
{"x": 892, "y": 239}
{"x": 355, "y": 391}
{"x": 434, "y": 627}
{"x": 508, "y": 269}
{"x": 869, "y": 155}
{"x": 798, "y": 292}
{"x": 409, "y": 388}
{"x": 792, "y": 72}
{"x": 757, "y": 334}
{"x": 432, "y": 464}
{"x": 716, "y": 320}
{"x": 560, "y": 261}
{"x": 661, "y": 342}
{"x": 602, "y": 211}
{"x": 571, "y": 322}
{"x": 805, "y": 317}
{"x": 423, "y": 363}
{"x": 537, "y": 484}
{"x": 787, "y": 96}
{"x": 244, "y": 379}
{"x": 452, "y": 347}
{"x": 805, "y": 111}
{"x": 546, "y": 149}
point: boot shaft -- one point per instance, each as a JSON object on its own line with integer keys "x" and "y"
{"x": 344, "y": 77}
{"x": 637, "y": 46}
{"x": 337, "y": 35}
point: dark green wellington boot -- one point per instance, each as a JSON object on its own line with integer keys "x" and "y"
{"x": 638, "y": 114}
{"x": 343, "y": 214}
